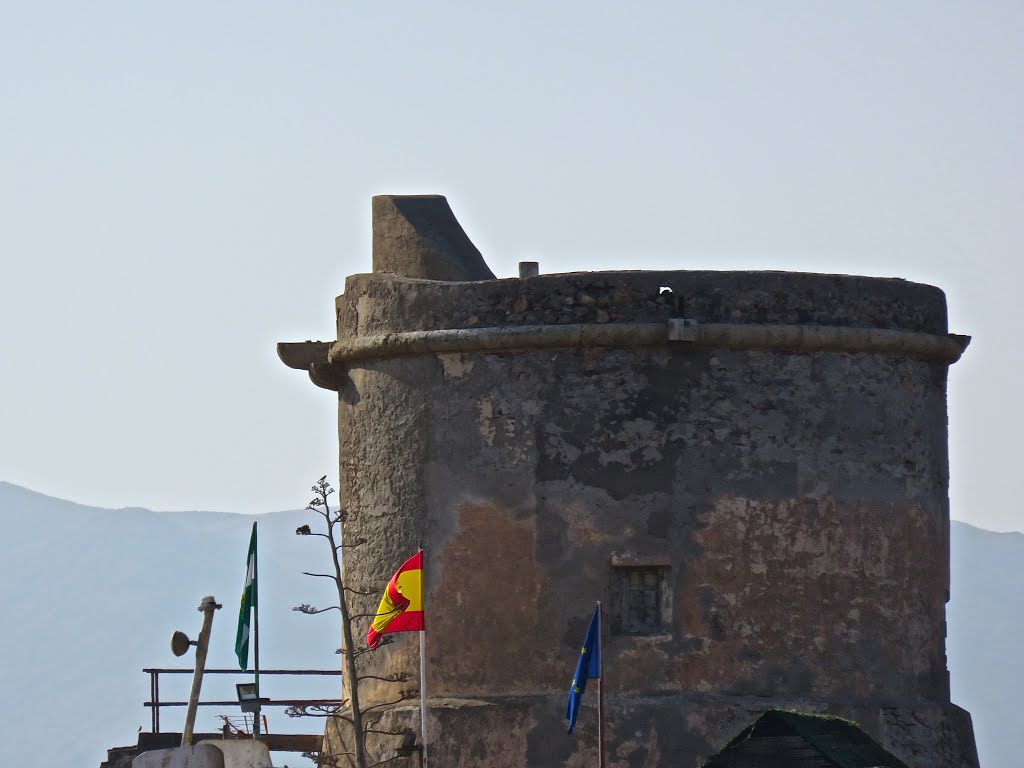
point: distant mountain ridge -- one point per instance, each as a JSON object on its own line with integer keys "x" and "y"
{"x": 92, "y": 595}
{"x": 985, "y": 620}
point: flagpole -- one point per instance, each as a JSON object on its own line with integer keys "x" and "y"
{"x": 256, "y": 633}
{"x": 600, "y": 686}
{"x": 423, "y": 660}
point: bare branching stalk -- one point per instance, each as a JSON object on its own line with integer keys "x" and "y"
{"x": 335, "y": 535}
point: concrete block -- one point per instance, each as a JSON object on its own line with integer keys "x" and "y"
{"x": 196, "y": 756}
{"x": 242, "y": 753}
{"x": 528, "y": 269}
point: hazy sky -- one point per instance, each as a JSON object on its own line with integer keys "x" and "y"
{"x": 184, "y": 184}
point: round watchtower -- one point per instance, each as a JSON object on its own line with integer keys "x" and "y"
{"x": 749, "y": 470}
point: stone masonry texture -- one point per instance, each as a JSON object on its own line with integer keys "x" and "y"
{"x": 795, "y": 506}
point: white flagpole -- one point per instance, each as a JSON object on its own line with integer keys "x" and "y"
{"x": 423, "y": 693}
{"x": 256, "y": 631}
{"x": 600, "y": 686}
{"x": 423, "y": 658}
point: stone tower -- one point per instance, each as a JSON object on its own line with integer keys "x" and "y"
{"x": 749, "y": 469}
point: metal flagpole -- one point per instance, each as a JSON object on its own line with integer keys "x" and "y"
{"x": 423, "y": 693}
{"x": 600, "y": 686}
{"x": 256, "y": 632}
{"x": 423, "y": 658}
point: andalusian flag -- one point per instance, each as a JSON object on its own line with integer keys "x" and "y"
{"x": 401, "y": 608}
{"x": 248, "y": 604}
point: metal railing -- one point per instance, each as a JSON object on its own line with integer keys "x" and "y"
{"x": 155, "y": 704}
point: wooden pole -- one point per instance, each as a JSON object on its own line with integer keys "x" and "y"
{"x": 207, "y": 607}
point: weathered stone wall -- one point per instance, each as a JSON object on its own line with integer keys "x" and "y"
{"x": 797, "y": 502}
{"x": 676, "y": 730}
{"x": 388, "y": 303}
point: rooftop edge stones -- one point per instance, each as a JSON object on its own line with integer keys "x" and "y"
{"x": 432, "y": 292}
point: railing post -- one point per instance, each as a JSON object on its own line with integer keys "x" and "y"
{"x": 154, "y": 700}
{"x": 154, "y": 687}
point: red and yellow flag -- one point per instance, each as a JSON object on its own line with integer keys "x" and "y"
{"x": 401, "y": 608}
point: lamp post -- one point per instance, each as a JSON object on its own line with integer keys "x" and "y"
{"x": 179, "y": 645}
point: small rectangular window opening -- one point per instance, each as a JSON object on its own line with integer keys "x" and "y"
{"x": 640, "y": 602}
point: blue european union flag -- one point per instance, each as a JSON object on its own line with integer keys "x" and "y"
{"x": 589, "y": 665}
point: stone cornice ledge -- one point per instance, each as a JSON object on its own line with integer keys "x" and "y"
{"x": 322, "y": 360}
{"x": 784, "y": 338}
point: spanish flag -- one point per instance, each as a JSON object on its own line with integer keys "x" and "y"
{"x": 401, "y": 608}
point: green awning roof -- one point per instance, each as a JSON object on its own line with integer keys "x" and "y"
{"x": 841, "y": 742}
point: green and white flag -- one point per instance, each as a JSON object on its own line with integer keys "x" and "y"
{"x": 248, "y": 604}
